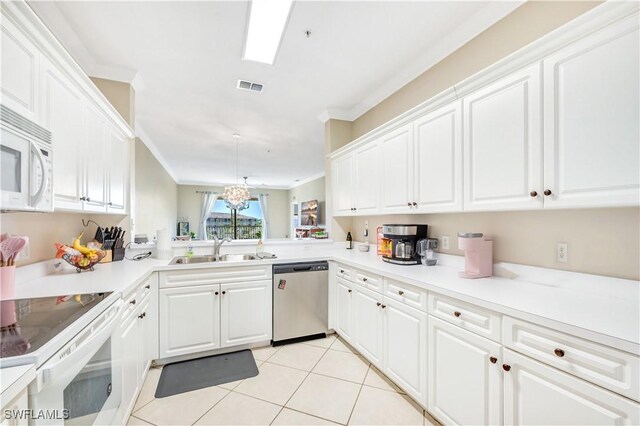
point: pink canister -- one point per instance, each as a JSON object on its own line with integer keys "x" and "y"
{"x": 7, "y": 282}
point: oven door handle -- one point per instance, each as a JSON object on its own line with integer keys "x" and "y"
{"x": 81, "y": 354}
{"x": 38, "y": 195}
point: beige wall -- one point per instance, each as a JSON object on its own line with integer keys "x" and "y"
{"x": 120, "y": 95}
{"x": 527, "y": 23}
{"x": 45, "y": 229}
{"x": 601, "y": 241}
{"x": 314, "y": 190}
{"x": 190, "y": 204}
{"x": 156, "y": 194}
{"x": 337, "y": 133}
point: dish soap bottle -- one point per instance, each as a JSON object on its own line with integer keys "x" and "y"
{"x": 349, "y": 241}
{"x": 260, "y": 246}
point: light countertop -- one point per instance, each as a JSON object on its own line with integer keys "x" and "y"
{"x": 14, "y": 380}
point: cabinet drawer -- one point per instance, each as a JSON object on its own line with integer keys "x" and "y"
{"x": 470, "y": 317}
{"x": 343, "y": 272}
{"x": 407, "y": 294}
{"x": 214, "y": 276}
{"x": 370, "y": 281}
{"x": 608, "y": 367}
{"x": 131, "y": 302}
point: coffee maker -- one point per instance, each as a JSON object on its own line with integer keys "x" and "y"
{"x": 401, "y": 243}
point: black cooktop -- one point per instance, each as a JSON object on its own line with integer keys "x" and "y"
{"x": 28, "y": 324}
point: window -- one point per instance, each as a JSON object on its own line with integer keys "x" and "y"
{"x": 238, "y": 225}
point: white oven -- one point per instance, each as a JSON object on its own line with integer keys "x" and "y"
{"x": 81, "y": 383}
{"x": 26, "y": 164}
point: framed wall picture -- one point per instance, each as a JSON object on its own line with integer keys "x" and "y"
{"x": 183, "y": 229}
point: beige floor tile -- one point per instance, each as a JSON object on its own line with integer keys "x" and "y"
{"x": 275, "y": 383}
{"x": 299, "y": 355}
{"x": 342, "y": 365}
{"x": 322, "y": 343}
{"x": 263, "y": 353}
{"x": 233, "y": 385}
{"x": 148, "y": 391}
{"x": 430, "y": 421}
{"x": 134, "y": 421}
{"x": 340, "y": 345}
{"x": 237, "y": 409}
{"x": 380, "y": 407}
{"x": 378, "y": 380}
{"x": 181, "y": 409}
{"x": 296, "y": 418}
{"x": 325, "y": 397}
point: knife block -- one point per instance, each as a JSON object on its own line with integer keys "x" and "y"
{"x": 117, "y": 254}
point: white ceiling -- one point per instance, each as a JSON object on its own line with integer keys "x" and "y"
{"x": 184, "y": 59}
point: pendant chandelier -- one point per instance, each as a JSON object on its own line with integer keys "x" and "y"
{"x": 237, "y": 196}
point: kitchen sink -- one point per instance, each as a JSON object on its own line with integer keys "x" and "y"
{"x": 236, "y": 257}
{"x": 181, "y": 260}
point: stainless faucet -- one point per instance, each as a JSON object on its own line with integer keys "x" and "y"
{"x": 217, "y": 244}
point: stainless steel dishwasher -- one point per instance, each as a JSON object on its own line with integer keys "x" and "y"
{"x": 300, "y": 301}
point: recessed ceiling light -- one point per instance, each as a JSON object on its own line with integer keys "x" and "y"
{"x": 266, "y": 26}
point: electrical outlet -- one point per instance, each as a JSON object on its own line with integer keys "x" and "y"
{"x": 562, "y": 253}
{"x": 444, "y": 242}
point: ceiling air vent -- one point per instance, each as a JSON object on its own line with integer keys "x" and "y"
{"x": 247, "y": 85}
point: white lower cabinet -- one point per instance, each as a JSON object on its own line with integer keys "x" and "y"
{"x": 245, "y": 313}
{"x": 536, "y": 394}
{"x": 344, "y": 291}
{"x": 405, "y": 348}
{"x": 367, "y": 323}
{"x": 464, "y": 377}
{"x": 18, "y": 404}
{"x": 130, "y": 341}
{"x": 189, "y": 319}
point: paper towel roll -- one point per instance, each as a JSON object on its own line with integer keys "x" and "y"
{"x": 163, "y": 244}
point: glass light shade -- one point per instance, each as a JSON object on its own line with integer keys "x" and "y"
{"x": 236, "y": 197}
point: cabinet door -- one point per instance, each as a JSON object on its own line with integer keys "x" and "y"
{"x": 189, "y": 319}
{"x": 465, "y": 376}
{"x": 95, "y": 144}
{"x": 19, "y": 403}
{"x": 342, "y": 185}
{"x": 536, "y": 394}
{"x": 131, "y": 345}
{"x": 367, "y": 324}
{"x": 438, "y": 160}
{"x": 245, "y": 310}
{"x": 396, "y": 151}
{"x": 502, "y": 144}
{"x": 344, "y": 313}
{"x": 145, "y": 325}
{"x": 20, "y": 72}
{"x": 592, "y": 104}
{"x": 118, "y": 168}
{"x": 62, "y": 110}
{"x": 405, "y": 348}
{"x": 367, "y": 179}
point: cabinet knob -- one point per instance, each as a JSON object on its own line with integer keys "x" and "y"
{"x": 110, "y": 203}
{"x": 216, "y": 293}
{"x": 409, "y": 204}
{"x": 493, "y": 360}
{"x": 457, "y": 314}
{"x": 88, "y": 199}
{"x": 559, "y": 352}
{"x": 83, "y": 198}
{"x": 414, "y": 204}
{"x": 533, "y": 194}
{"x": 364, "y": 280}
{"x": 224, "y": 292}
{"x": 400, "y": 292}
{"x": 148, "y": 286}
{"x": 383, "y": 306}
{"x": 133, "y": 302}
{"x": 141, "y": 316}
{"x": 342, "y": 271}
{"x": 378, "y": 303}
{"x": 349, "y": 290}
{"x": 547, "y": 192}
{"x": 506, "y": 367}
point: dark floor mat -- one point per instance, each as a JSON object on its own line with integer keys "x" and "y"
{"x": 200, "y": 373}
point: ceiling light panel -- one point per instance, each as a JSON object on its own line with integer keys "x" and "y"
{"x": 267, "y": 21}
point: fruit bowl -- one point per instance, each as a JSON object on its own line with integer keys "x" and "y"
{"x": 82, "y": 262}
{"x": 81, "y": 257}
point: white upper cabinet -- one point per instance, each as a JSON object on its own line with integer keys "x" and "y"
{"x": 62, "y": 115}
{"x": 396, "y": 158}
{"x": 437, "y": 160}
{"x": 118, "y": 147}
{"x": 367, "y": 182}
{"x": 95, "y": 153}
{"x": 592, "y": 105}
{"x": 342, "y": 169}
{"x": 502, "y": 144}
{"x": 20, "y": 72}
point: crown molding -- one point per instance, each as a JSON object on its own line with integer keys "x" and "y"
{"x": 148, "y": 142}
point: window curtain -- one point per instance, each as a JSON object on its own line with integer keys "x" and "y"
{"x": 262, "y": 198}
{"x": 208, "y": 201}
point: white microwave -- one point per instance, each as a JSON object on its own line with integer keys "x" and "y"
{"x": 26, "y": 164}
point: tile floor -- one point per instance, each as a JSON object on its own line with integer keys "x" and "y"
{"x": 321, "y": 382}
